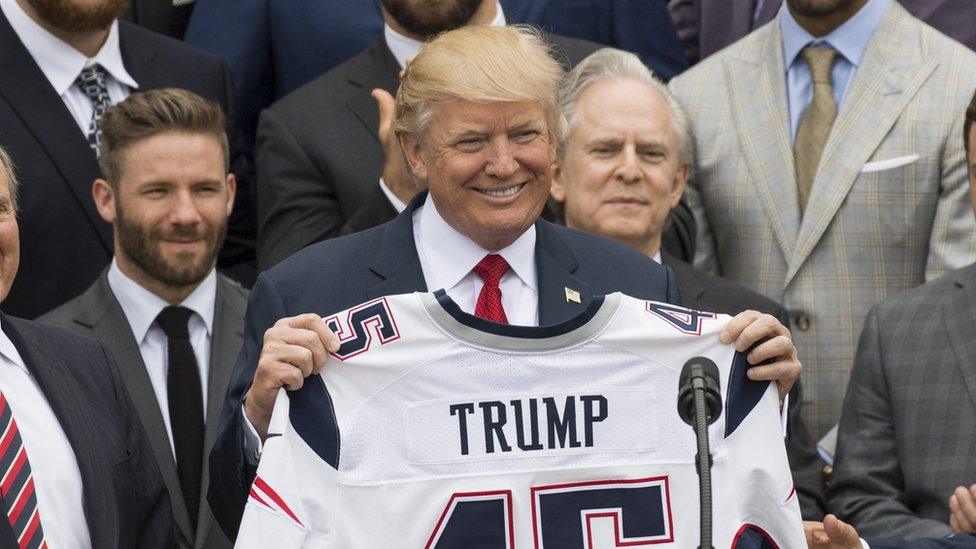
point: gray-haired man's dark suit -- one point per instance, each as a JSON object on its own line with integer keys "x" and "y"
{"x": 908, "y": 427}
{"x": 98, "y": 315}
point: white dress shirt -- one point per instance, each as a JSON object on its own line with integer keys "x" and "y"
{"x": 403, "y": 48}
{"x": 57, "y": 479}
{"x": 447, "y": 258}
{"x": 62, "y": 64}
{"x": 141, "y": 307}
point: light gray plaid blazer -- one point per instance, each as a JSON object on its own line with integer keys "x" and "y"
{"x": 889, "y": 207}
{"x": 908, "y": 431}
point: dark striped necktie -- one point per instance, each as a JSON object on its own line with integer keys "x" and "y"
{"x": 17, "y": 486}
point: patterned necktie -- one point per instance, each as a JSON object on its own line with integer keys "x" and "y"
{"x": 489, "y": 307}
{"x": 17, "y": 488}
{"x": 185, "y": 404}
{"x": 91, "y": 81}
{"x": 814, "y": 128}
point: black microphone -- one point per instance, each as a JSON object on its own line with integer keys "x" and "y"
{"x": 699, "y": 405}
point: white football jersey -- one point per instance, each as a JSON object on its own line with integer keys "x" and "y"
{"x": 436, "y": 429}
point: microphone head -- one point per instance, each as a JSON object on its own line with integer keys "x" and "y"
{"x": 706, "y": 373}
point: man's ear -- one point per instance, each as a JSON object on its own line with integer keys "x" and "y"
{"x": 678, "y": 185}
{"x": 104, "y": 198}
{"x": 231, "y": 192}
{"x": 414, "y": 156}
{"x": 557, "y": 190}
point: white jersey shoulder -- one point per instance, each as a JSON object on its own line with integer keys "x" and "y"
{"x": 436, "y": 429}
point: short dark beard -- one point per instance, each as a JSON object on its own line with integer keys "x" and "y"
{"x": 817, "y": 8}
{"x": 141, "y": 247}
{"x": 67, "y": 16}
{"x": 429, "y": 18}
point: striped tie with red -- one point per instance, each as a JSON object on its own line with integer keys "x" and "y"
{"x": 17, "y": 484}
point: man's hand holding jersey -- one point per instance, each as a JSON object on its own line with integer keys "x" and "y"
{"x": 297, "y": 347}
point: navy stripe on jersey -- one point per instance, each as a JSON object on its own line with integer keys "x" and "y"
{"x": 313, "y": 418}
{"x": 742, "y": 394}
{"x": 524, "y": 332}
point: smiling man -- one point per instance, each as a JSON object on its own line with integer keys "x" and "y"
{"x": 477, "y": 117}
{"x": 173, "y": 323}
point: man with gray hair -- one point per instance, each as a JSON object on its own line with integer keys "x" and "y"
{"x": 620, "y": 168}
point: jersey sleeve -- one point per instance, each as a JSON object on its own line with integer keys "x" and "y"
{"x": 289, "y": 504}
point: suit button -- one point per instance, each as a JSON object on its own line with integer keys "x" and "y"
{"x": 802, "y": 322}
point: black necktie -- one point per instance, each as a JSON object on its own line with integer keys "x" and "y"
{"x": 185, "y": 404}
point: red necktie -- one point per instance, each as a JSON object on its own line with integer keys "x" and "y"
{"x": 17, "y": 486}
{"x": 489, "y": 307}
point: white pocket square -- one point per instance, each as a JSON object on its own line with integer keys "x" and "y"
{"x": 889, "y": 163}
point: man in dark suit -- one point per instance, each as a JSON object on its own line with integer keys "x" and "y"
{"x": 77, "y": 468}
{"x": 49, "y": 125}
{"x": 168, "y": 196}
{"x": 318, "y": 154}
{"x": 621, "y": 168}
{"x": 477, "y": 118}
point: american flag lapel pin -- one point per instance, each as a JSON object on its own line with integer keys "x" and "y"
{"x": 572, "y": 296}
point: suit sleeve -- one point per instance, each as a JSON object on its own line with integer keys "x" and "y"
{"x": 238, "y": 31}
{"x": 951, "y": 542}
{"x": 952, "y": 244}
{"x": 805, "y": 462}
{"x": 230, "y": 476}
{"x": 148, "y": 517}
{"x": 297, "y": 205}
{"x": 645, "y": 28}
{"x": 867, "y": 489}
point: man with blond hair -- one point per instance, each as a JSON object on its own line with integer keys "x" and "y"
{"x": 477, "y": 117}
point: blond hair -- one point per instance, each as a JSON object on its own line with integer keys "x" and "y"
{"x": 482, "y": 65}
{"x": 146, "y": 114}
{"x": 613, "y": 64}
{"x": 7, "y": 169}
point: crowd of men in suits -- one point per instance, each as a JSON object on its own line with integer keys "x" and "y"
{"x": 819, "y": 155}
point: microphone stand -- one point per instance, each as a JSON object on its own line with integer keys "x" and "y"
{"x": 699, "y": 405}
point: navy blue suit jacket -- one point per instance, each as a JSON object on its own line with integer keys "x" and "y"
{"x": 273, "y": 48}
{"x": 339, "y": 273}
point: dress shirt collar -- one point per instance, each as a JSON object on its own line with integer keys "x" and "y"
{"x": 141, "y": 306}
{"x": 10, "y": 352}
{"x": 403, "y": 47}
{"x": 451, "y": 255}
{"x": 60, "y": 62}
{"x": 849, "y": 39}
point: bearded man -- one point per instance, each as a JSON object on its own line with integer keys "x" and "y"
{"x": 173, "y": 324}
{"x": 63, "y": 63}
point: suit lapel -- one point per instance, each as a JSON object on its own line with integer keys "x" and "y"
{"x": 556, "y": 265}
{"x": 379, "y": 69}
{"x": 138, "y": 59}
{"x": 886, "y": 80}
{"x": 690, "y": 288}
{"x": 228, "y": 336}
{"x": 396, "y": 261}
{"x": 54, "y": 380}
{"x": 757, "y": 87}
{"x": 41, "y": 110}
{"x": 959, "y": 319}
{"x": 100, "y": 312}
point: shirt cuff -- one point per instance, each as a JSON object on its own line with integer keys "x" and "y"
{"x": 397, "y": 204}
{"x": 252, "y": 441}
{"x": 864, "y": 544}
